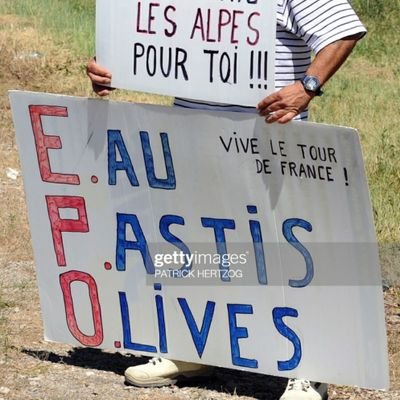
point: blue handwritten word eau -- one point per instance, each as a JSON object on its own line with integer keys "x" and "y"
{"x": 116, "y": 147}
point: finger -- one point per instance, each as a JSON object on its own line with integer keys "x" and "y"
{"x": 98, "y": 79}
{"x": 101, "y": 90}
{"x": 267, "y": 101}
{"x": 276, "y": 106}
{"x": 275, "y": 116}
{"x": 287, "y": 117}
{"x": 95, "y": 69}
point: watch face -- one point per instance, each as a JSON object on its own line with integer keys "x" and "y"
{"x": 311, "y": 83}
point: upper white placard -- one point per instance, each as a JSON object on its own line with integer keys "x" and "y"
{"x": 221, "y": 51}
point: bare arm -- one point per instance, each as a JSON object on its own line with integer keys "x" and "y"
{"x": 293, "y": 99}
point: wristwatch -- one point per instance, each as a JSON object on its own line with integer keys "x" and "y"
{"x": 312, "y": 84}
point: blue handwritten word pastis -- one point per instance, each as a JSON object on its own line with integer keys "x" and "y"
{"x": 120, "y": 162}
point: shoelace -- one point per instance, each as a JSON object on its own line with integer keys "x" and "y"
{"x": 299, "y": 384}
{"x": 155, "y": 360}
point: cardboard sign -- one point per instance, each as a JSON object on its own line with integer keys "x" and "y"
{"x": 230, "y": 242}
{"x": 222, "y": 51}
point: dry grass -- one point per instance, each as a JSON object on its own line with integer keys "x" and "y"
{"x": 364, "y": 95}
{"x": 54, "y": 69}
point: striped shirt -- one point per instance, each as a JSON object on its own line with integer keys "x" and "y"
{"x": 303, "y": 27}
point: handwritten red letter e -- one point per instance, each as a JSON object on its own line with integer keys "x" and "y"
{"x": 44, "y": 142}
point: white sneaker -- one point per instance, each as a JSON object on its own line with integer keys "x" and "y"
{"x": 162, "y": 372}
{"x": 301, "y": 389}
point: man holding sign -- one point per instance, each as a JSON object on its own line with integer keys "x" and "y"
{"x": 330, "y": 29}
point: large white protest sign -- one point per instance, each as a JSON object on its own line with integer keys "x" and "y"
{"x": 201, "y": 49}
{"x": 225, "y": 241}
